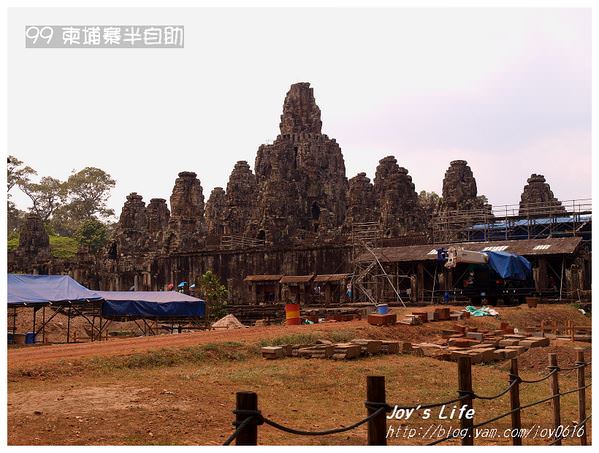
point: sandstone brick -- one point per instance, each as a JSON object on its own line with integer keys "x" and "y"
{"x": 509, "y": 342}
{"x": 390, "y": 347}
{"x": 382, "y": 320}
{"x": 463, "y": 342}
{"x": 273, "y": 352}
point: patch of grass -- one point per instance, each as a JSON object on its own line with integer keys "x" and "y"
{"x": 209, "y": 353}
{"x": 336, "y": 336}
{"x": 63, "y": 247}
{"x": 296, "y": 338}
{"x": 228, "y": 351}
{"x": 341, "y": 336}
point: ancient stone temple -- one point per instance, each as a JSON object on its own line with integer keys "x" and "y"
{"x": 459, "y": 188}
{"x": 538, "y": 199}
{"x": 294, "y": 214}
{"x": 187, "y": 225}
{"x": 132, "y": 228}
{"x": 33, "y": 238}
{"x": 361, "y": 203}
{"x": 400, "y": 212}
{"x": 158, "y": 216}
{"x": 33, "y": 253}
{"x": 300, "y": 177}
{"x": 240, "y": 199}
{"x": 215, "y": 219}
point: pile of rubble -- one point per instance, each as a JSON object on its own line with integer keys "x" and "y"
{"x": 459, "y": 341}
{"x": 480, "y": 345}
{"x": 438, "y": 314}
{"x": 325, "y": 349}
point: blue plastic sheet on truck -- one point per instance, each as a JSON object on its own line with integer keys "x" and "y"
{"x": 510, "y": 266}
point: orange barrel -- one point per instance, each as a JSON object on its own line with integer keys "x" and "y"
{"x": 292, "y": 314}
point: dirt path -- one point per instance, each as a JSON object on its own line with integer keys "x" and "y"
{"x": 18, "y": 358}
{"x": 517, "y": 316}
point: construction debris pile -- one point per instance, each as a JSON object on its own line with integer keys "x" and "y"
{"x": 461, "y": 340}
{"x": 438, "y": 314}
{"x": 325, "y": 349}
{"x": 228, "y": 322}
{"x": 480, "y": 345}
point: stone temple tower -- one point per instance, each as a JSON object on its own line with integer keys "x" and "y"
{"x": 301, "y": 182}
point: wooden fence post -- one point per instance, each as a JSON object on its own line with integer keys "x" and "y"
{"x": 582, "y": 410}
{"x": 246, "y": 401}
{"x": 465, "y": 388}
{"x": 377, "y": 427}
{"x": 554, "y": 386}
{"x": 515, "y": 403}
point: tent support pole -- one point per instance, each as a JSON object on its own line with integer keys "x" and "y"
{"x": 69, "y": 325}
{"x": 35, "y": 309}
{"x": 561, "y": 279}
{"x": 44, "y": 324}
{"x": 45, "y": 321}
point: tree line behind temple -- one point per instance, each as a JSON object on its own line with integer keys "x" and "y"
{"x": 74, "y": 211}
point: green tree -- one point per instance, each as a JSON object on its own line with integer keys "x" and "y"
{"x": 46, "y": 196}
{"x": 214, "y": 293}
{"x": 430, "y": 203}
{"x": 88, "y": 193}
{"x": 17, "y": 173}
{"x": 93, "y": 234}
{"x": 14, "y": 219}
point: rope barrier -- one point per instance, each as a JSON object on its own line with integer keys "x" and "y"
{"x": 242, "y": 425}
{"x": 433, "y": 405}
{"x": 381, "y": 407}
{"x": 585, "y": 420}
{"x": 574, "y": 390}
{"x": 325, "y": 432}
{"x": 575, "y": 367}
{"x": 534, "y": 381}
{"x": 480, "y": 397}
{"x": 505, "y": 414}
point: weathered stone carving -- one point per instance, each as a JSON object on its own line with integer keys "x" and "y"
{"x": 33, "y": 238}
{"x": 215, "y": 208}
{"x": 400, "y": 212}
{"x": 132, "y": 228}
{"x": 361, "y": 202}
{"x": 459, "y": 188}
{"x": 300, "y": 112}
{"x": 299, "y": 177}
{"x": 158, "y": 216}
{"x": 538, "y": 199}
{"x": 186, "y": 227}
{"x": 240, "y": 199}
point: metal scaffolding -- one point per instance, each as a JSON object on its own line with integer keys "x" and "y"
{"x": 364, "y": 237}
{"x": 529, "y": 221}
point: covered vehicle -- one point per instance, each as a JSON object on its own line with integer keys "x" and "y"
{"x": 491, "y": 276}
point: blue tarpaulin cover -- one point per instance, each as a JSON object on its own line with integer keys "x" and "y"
{"x": 150, "y": 304}
{"x": 41, "y": 289}
{"x": 508, "y": 265}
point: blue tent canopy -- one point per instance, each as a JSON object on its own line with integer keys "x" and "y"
{"x": 508, "y": 265}
{"x": 43, "y": 289}
{"x": 150, "y": 304}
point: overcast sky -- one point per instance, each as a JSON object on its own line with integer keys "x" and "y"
{"x": 508, "y": 90}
